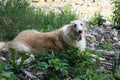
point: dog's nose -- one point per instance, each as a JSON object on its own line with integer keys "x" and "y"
{"x": 80, "y": 31}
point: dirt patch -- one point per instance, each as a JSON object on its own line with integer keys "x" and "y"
{"x": 86, "y": 8}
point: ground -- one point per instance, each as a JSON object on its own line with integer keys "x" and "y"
{"x": 99, "y": 37}
{"x": 85, "y": 8}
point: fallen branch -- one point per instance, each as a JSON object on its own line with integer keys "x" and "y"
{"x": 95, "y": 57}
{"x": 106, "y": 63}
{"x": 107, "y": 53}
{"x": 29, "y": 74}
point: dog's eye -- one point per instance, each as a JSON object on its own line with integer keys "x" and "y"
{"x": 81, "y": 24}
{"x": 75, "y": 25}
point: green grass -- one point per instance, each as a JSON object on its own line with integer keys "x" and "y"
{"x": 106, "y": 45}
{"x": 96, "y": 19}
{"x": 18, "y": 15}
{"x": 116, "y": 12}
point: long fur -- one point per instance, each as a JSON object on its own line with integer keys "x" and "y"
{"x": 32, "y": 41}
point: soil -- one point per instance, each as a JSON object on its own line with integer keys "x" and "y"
{"x": 85, "y": 8}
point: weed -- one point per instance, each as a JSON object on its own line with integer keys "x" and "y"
{"x": 106, "y": 45}
{"x": 18, "y": 15}
{"x": 17, "y": 66}
{"x": 70, "y": 64}
{"x": 6, "y": 68}
{"x": 96, "y": 19}
{"x": 116, "y": 12}
{"x": 5, "y": 74}
{"x": 116, "y": 66}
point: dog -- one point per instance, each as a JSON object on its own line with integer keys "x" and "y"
{"x": 32, "y": 41}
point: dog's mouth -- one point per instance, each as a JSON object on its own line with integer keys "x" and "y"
{"x": 79, "y": 35}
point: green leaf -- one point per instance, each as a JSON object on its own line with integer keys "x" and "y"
{"x": 7, "y": 74}
{"x": 2, "y": 65}
{"x": 23, "y": 58}
{"x": 2, "y": 79}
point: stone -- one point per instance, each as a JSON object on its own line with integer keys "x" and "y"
{"x": 114, "y": 32}
{"x": 90, "y": 38}
{"x": 94, "y": 33}
{"x": 115, "y": 38}
{"x": 118, "y": 42}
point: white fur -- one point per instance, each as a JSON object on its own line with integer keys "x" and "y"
{"x": 65, "y": 31}
{"x": 36, "y": 31}
{"x": 81, "y": 44}
{"x": 79, "y": 26}
{"x": 21, "y": 47}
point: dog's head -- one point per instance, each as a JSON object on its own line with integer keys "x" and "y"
{"x": 77, "y": 29}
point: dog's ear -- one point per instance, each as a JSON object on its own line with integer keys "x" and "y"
{"x": 84, "y": 26}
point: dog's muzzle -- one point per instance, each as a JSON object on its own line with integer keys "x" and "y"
{"x": 80, "y": 34}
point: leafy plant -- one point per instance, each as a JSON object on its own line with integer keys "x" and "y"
{"x": 116, "y": 12}
{"x": 11, "y": 16}
{"x": 14, "y": 59}
{"x": 106, "y": 45}
{"x": 116, "y": 66}
{"x": 8, "y": 68}
{"x": 116, "y": 62}
{"x": 70, "y": 65}
{"x": 5, "y": 74}
{"x": 18, "y": 15}
{"x": 96, "y": 19}
{"x": 52, "y": 64}
{"x": 117, "y": 73}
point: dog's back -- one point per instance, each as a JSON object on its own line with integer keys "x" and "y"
{"x": 31, "y": 41}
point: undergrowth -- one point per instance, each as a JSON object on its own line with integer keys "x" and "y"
{"x": 106, "y": 45}
{"x": 116, "y": 12}
{"x": 70, "y": 65}
{"x": 18, "y": 15}
{"x": 96, "y": 19}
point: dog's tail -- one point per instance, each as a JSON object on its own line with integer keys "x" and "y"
{"x": 1, "y": 45}
{"x": 4, "y": 46}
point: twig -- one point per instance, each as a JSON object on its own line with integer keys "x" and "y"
{"x": 95, "y": 57}
{"x": 107, "y": 53}
{"x": 29, "y": 74}
{"x": 106, "y": 63}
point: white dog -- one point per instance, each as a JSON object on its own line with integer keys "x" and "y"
{"x": 31, "y": 41}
